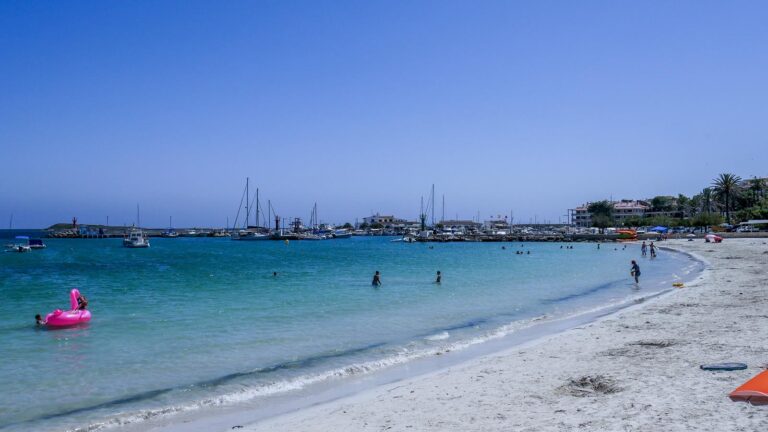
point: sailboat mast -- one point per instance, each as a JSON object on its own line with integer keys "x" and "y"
{"x": 257, "y": 208}
{"x": 247, "y": 208}
{"x": 442, "y": 217}
{"x": 433, "y": 205}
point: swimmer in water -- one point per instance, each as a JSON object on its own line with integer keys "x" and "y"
{"x": 376, "y": 279}
{"x": 439, "y": 277}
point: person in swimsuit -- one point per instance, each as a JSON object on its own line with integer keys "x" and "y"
{"x": 39, "y": 321}
{"x": 82, "y": 302}
{"x": 653, "y": 250}
{"x": 376, "y": 279}
{"x": 439, "y": 277}
{"x": 635, "y": 271}
{"x": 644, "y": 248}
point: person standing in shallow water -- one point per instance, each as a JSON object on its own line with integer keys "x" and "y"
{"x": 439, "y": 278}
{"x": 644, "y": 249}
{"x": 635, "y": 271}
{"x": 376, "y": 279}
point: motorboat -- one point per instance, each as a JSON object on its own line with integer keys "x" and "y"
{"x": 36, "y": 244}
{"x": 342, "y": 233}
{"x": 136, "y": 239}
{"x": 19, "y": 247}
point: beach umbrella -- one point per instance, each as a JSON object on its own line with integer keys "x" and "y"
{"x": 691, "y": 235}
{"x": 660, "y": 229}
{"x": 754, "y": 391}
{"x": 713, "y": 238}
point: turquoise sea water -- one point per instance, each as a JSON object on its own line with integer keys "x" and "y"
{"x": 197, "y": 322}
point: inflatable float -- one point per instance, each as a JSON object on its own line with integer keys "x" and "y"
{"x": 60, "y": 318}
{"x": 712, "y": 238}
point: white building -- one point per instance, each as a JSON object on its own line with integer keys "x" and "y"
{"x": 622, "y": 210}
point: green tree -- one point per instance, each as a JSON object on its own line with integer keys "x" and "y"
{"x": 661, "y": 203}
{"x": 364, "y": 226}
{"x": 683, "y": 205}
{"x": 634, "y": 221}
{"x": 601, "y": 213}
{"x": 706, "y": 200}
{"x": 347, "y": 226}
{"x": 706, "y": 219}
{"x": 756, "y": 189}
{"x": 726, "y": 186}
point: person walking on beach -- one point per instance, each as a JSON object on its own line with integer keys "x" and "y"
{"x": 376, "y": 279}
{"x": 653, "y": 250}
{"x": 635, "y": 271}
{"x": 644, "y": 249}
{"x": 439, "y": 278}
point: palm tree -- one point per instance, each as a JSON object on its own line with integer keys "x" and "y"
{"x": 726, "y": 185}
{"x": 706, "y": 197}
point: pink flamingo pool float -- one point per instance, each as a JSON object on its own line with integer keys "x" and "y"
{"x": 60, "y": 318}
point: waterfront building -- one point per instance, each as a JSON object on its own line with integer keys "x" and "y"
{"x": 622, "y": 210}
{"x": 383, "y": 220}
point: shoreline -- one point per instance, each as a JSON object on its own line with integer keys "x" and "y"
{"x": 537, "y": 331}
{"x": 640, "y": 366}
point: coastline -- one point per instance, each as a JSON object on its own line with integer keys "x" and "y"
{"x": 642, "y": 361}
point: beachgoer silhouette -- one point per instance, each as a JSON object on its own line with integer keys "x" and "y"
{"x": 376, "y": 279}
{"x": 439, "y": 277}
{"x": 644, "y": 249}
{"x": 82, "y": 302}
{"x": 635, "y": 272}
{"x": 653, "y": 250}
{"x": 39, "y": 321}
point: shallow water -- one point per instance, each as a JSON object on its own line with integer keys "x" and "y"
{"x": 197, "y": 322}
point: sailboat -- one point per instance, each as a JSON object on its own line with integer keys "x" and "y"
{"x": 136, "y": 238}
{"x": 247, "y": 233}
{"x": 170, "y": 232}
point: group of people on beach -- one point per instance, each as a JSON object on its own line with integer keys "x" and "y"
{"x": 644, "y": 249}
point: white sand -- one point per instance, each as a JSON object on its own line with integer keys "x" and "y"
{"x": 648, "y": 357}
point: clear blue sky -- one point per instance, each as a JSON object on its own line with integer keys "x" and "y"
{"x": 528, "y": 106}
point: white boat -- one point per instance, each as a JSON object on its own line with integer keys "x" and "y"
{"x": 18, "y": 248}
{"x": 249, "y": 235}
{"x": 170, "y": 232}
{"x": 21, "y": 247}
{"x": 136, "y": 239}
{"x": 342, "y": 233}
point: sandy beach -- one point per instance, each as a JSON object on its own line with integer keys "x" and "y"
{"x": 637, "y": 370}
